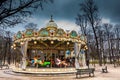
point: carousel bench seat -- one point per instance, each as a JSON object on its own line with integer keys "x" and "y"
{"x": 4, "y": 66}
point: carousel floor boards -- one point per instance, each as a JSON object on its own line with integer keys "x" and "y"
{"x": 46, "y": 71}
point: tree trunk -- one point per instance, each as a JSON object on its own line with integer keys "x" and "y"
{"x": 5, "y": 53}
{"x": 97, "y": 45}
{"x": 110, "y": 57}
{"x": 9, "y": 51}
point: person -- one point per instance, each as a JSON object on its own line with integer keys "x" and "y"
{"x": 87, "y": 63}
{"x": 52, "y": 62}
{"x": 71, "y": 61}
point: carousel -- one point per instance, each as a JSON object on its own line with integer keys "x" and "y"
{"x": 50, "y": 50}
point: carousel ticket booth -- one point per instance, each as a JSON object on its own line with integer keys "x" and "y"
{"x": 50, "y": 50}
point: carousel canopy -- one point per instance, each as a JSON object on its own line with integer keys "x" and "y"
{"x": 49, "y": 32}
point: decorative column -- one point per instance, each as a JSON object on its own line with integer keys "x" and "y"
{"x": 82, "y": 58}
{"x": 77, "y": 66}
{"x": 79, "y": 56}
{"x": 24, "y": 53}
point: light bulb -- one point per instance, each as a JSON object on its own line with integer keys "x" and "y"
{"x": 35, "y": 42}
{"x": 52, "y": 42}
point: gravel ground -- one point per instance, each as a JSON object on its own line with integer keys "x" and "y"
{"x": 113, "y": 74}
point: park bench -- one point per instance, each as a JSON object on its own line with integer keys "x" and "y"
{"x": 88, "y": 71}
{"x": 104, "y": 70}
{"x": 4, "y": 65}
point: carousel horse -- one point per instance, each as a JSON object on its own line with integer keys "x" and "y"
{"x": 40, "y": 62}
{"x": 59, "y": 62}
{"x": 36, "y": 61}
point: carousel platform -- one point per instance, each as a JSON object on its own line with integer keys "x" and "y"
{"x": 44, "y": 71}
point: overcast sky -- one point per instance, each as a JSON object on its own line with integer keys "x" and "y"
{"x": 65, "y": 11}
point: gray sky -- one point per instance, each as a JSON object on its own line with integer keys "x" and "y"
{"x": 65, "y": 11}
{"x": 68, "y": 9}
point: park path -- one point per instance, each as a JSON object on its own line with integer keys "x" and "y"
{"x": 113, "y": 74}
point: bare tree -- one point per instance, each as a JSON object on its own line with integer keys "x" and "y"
{"x": 31, "y": 26}
{"x": 13, "y": 12}
{"x": 108, "y": 27}
{"x": 81, "y": 20}
{"x": 112, "y": 47}
{"x": 90, "y": 10}
{"x": 16, "y": 55}
{"x": 100, "y": 33}
{"x": 117, "y": 39}
{"x": 6, "y": 47}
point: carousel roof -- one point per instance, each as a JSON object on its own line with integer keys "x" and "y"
{"x": 50, "y": 32}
